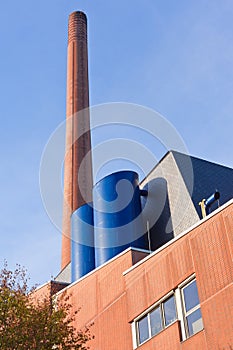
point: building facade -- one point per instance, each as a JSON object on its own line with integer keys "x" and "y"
{"x": 170, "y": 288}
{"x": 177, "y": 297}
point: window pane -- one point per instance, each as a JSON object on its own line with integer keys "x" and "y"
{"x": 143, "y": 330}
{"x": 169, "y": 310}
{"x": 155, "y": 321}
{"x": 195, "y": 323}
{"x": 191, "y": 296}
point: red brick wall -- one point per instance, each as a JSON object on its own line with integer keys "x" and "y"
{"x": 47, "y": 290}
{"x": 196, "y": 342}
{"x": 205, "y": 251}
{"x": 102, "y": 299}
{"x": 112, "y": 300}
{"x": 168, "y": 339}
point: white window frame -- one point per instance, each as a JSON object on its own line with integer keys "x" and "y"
{"x": 159, "y": 303}
{"x": 182, "y": 313}
{"x": 149, "y": 329}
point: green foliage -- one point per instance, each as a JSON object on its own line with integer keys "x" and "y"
{"x": 43, "y": 325}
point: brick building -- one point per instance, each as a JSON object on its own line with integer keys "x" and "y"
{"x": 170, "y": 288}
{"x": 178, "y": 297}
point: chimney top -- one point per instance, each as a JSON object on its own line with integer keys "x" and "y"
{"x": 79, "y": 14}
{"x": 77, "y": 26}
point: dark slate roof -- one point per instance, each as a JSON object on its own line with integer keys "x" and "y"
{"x": 207, "y": 177}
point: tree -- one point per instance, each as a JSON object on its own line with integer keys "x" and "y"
{"x": 42, "y": 325}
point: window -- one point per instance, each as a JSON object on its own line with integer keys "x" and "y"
{"x": 169, "y": 311}
{"x": 181, "y": 304}
{"x": 156, "y": 319}
{"x": 143, "y": 329}
{"x": 191, "y": 306}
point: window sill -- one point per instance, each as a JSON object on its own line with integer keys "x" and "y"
{"x": 193, "y": 335}
{"x": 163, "y": 330}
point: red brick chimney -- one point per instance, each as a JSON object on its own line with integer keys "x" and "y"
{"x": 77, "y": 120}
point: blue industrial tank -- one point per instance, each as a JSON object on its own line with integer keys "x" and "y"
{"x": 117, "y": 215}
{"x": 82, "y": 242}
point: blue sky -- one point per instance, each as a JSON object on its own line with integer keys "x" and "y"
{"x": 175, "y": 57}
